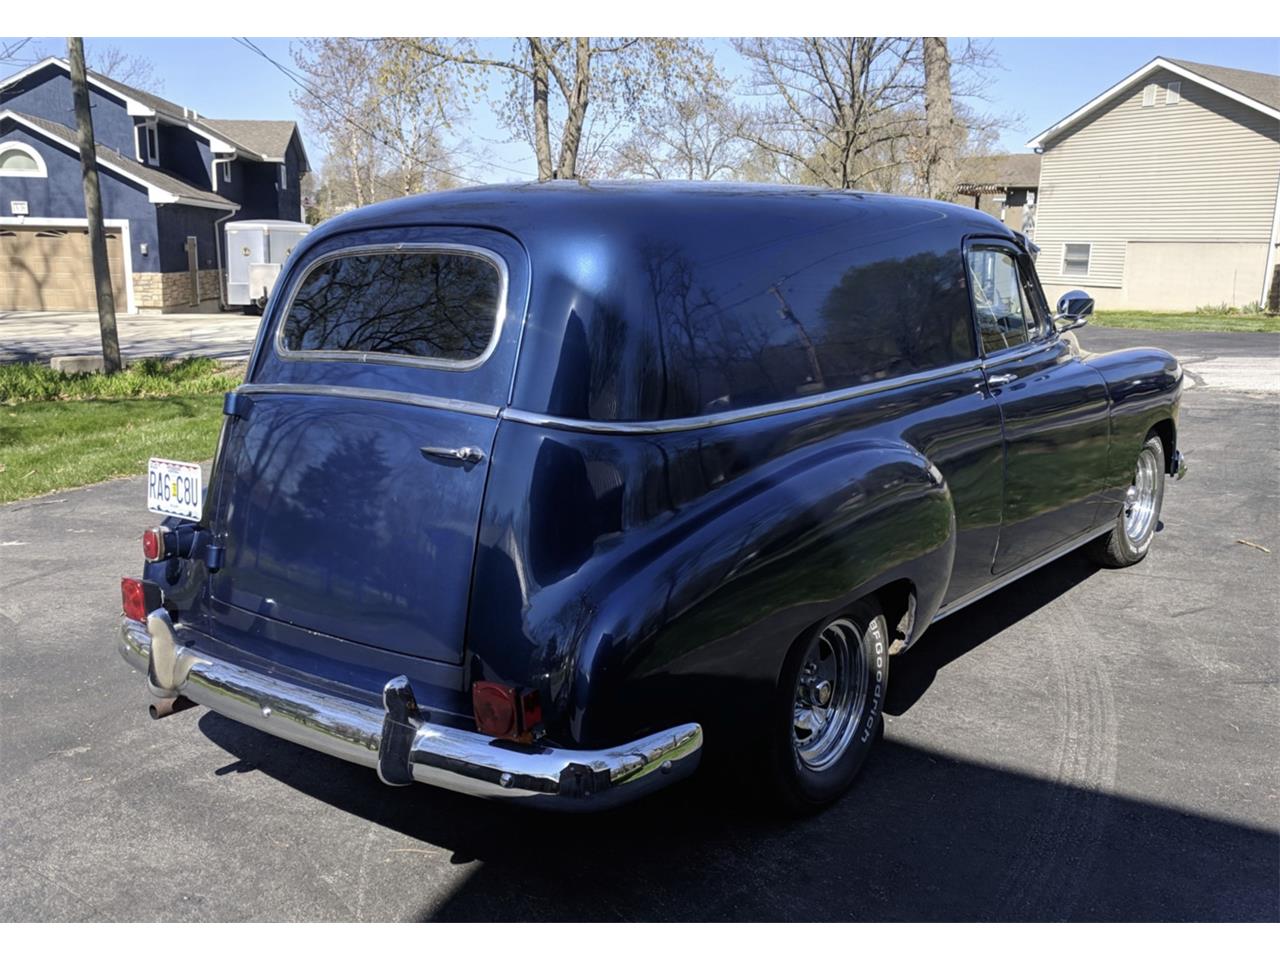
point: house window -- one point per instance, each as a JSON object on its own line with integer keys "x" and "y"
{"x": 1173, "y": 92}
{"x": 1149, "y": 95}
{"x": 1075, "y": 259}
{"x": 21, "y": 160}
{"x": 148, "y": 142}
{"x": 226, "y": 172}
{"x": 284, "y": 177}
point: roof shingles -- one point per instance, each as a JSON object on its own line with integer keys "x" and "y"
{"x": 1262, "y": 87}
{"x": 148, "y": 175}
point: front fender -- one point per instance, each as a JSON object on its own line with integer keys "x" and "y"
{"x": 675, "y": 587}
{"x": 1145, "y": 387}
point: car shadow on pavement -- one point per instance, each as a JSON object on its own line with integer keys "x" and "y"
{"x": 951, "y": 638}
{"x": 921, "y": 836}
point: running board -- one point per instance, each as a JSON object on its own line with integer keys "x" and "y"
{"x": 1032, "y": 565}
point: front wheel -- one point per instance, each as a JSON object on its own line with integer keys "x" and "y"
{"x": 1135, "y": 527}
{"x": 829, "y": 705}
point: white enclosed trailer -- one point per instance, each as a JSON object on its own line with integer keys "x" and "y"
{"x": 256, "y": 250}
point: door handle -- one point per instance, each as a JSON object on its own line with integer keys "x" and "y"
{"x": 462, "y": 454}
{"x": 1000, "y": 379}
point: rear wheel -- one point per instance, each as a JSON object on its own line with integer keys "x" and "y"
{"x": 828, "y": 709}
{"x": 1135, "y": 527}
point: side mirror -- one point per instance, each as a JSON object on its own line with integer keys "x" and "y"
{"x": 1074, "y": 309}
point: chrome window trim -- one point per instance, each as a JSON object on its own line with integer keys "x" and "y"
{"x": 353, "y": 356}
{"x": 681, "y": 424}
{"x": 1020, "y": 352}
{"x": 361, "y": 393}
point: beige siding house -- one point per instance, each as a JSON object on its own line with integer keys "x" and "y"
{"x": 1163, "y": 193}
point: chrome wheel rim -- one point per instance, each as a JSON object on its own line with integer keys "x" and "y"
{"x": 1140, "y": 498}
{"x": 830, "y": 696}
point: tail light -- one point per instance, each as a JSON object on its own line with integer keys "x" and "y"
{"x": 504, "y": 712}
{"x": 154, "y": 544}
{"x": 133, "y": 593}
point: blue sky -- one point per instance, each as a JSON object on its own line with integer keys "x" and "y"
{"x": 1039, "y": 80}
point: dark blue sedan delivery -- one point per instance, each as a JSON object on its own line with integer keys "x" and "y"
{"x": 529, "y": 489}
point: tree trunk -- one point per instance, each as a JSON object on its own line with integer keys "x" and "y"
{"x": 541, "y": 122}
{"x": 939, "y": 121}
{"x": 93, "y": 207}
{"x": 576, "y": 116}
{"x": 357, "y": 181}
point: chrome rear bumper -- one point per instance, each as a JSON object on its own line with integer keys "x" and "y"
{"x": 442, "y": 756}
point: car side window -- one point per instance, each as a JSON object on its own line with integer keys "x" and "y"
{"x": 1004, "y": 319}
{"x": 1039, "y": 321}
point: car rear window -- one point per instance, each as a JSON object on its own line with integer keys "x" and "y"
{"x": 434, "y": 305}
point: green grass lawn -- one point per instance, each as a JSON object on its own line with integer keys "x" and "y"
{"x": 172, "y": 410}
{"x": 1208, "y": 322}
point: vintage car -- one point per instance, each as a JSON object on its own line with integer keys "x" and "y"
{"x": 529, "y": 489}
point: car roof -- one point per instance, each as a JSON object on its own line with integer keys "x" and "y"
{"x": 610, "y": 207}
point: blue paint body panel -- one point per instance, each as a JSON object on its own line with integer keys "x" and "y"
{"x": 643, "y": 541}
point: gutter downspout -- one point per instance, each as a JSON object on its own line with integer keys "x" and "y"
{"x": 217, "y": 252}
{"x": 1271, "y": 249}
{"x": 217, "y": 230}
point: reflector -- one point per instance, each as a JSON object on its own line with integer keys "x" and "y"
{"x": 153, "y": 544}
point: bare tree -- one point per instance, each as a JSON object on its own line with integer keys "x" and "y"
{"x": 697, "y": 136}
{"x": 128, "y": 68}
{"x": 855, "y": 111}
{"x": 93, "y": 206}
{"x": 833, "y": 106}
{"x": 939, "y": 171}
{"x": 585, "y": 85}
{"x": 384, "y": 113}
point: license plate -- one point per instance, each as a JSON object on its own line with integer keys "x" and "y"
{"x": 174, "y": 488}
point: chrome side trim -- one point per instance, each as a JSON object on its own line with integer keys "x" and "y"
{"x": 360, "y": 393}
{"x": 680, "y": 424}
{"x": 1032, "y": 565}
{"x": 442, "y": 756}
{"x": 352, "y": 356}
{"x": 1017, "y": 352}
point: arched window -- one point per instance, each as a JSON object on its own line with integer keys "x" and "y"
{"x": 20, "y": 160}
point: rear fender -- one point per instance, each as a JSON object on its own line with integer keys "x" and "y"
{"x": 692, "y": 614}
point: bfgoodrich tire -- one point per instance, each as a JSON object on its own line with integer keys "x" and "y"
{"x": 828, "y": 709}
{"x": 1135, "y": 527}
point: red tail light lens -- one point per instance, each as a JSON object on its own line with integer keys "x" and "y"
{"x": 504, "y": 712}
{"x": 153, "y": 544}
{"x": 495, "y": 709}
{"x": 134, "y": 598}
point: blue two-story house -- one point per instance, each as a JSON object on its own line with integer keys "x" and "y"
{"x": 170, "y": 178}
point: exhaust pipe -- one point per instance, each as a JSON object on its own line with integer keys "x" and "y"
{"x": 169, "y": 705}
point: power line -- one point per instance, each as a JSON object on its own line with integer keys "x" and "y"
{"x": 301, "y": 82}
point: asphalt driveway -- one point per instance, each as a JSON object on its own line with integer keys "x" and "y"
{"x": 1086, "y": 745}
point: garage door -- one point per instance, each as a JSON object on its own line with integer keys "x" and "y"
{"x": 43, "y": 268}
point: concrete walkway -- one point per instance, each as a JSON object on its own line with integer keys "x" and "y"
{"x": 39, "y": 336}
